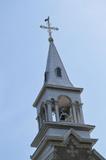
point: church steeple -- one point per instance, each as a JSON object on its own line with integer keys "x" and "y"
{"x": 58, "y": 100}
{"x": 63, "y": 134}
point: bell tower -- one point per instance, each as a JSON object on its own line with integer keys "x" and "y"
{"x": 63, "y": 134}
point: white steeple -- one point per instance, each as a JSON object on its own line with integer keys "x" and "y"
{"x": 55, "y": 73}
{"x": 63, "y": 133}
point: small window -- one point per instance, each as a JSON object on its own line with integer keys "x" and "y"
{"x": 58, "y": 72}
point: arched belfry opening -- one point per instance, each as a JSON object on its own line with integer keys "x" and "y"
{"x": 61, "y": 109}
{"x": 43, "y": 115}
{"x": 56, "y": 110}
{"x": 65, "y": 108}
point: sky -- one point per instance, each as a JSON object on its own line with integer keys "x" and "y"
{"x": 81, "y": 43}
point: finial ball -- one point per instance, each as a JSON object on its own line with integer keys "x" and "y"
{"x": 50, "y": 39}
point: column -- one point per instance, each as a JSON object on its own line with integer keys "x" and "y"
{"x": 57, "y": 112}
{"x": 46, "y": 113}
{"x": 81, "y": 113}
{"x": 39, "y": 121}
{"x": 78, "y": 113}
{"x": 71, "y": 114}
{"x": 74, "y": 113}
{"x": 49, "y": 109}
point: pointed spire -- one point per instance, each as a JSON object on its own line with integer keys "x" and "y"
{"x": 55, "y": 73}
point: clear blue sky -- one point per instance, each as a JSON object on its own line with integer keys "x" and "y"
{"x": 81, "y": 43}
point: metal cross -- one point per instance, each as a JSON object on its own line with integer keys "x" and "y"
{"x": 49, "y": 28}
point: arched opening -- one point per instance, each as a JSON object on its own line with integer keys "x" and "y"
{"x": 65, "y": 110}
{"x": 42, "y": 115}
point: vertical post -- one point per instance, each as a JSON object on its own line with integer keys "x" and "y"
{"x": 46, "y": 114}
{"x": 57, "y": 112}
{"x": 49, "y": 110}
{"x": 39, "y": 121}
{"x": 78, "y": 113}
{"x": 74, "y": 113}
{"x": 81, "y": 112}
{"x": 71, "y": 113}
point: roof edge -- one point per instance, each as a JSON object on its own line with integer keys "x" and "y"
{"x": 94, "y": 151}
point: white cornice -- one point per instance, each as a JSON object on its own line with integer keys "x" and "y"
{"x": 59, "y": 125}
{"x": 71, "y": 89}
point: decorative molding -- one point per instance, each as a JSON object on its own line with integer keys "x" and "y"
{"x": 59, "y": 125}
{"x": 72, "y": 89}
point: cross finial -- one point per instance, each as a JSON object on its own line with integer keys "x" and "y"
{"x": 49, "y": 28}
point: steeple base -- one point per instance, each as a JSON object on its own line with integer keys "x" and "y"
{"x": 63, "y": 141}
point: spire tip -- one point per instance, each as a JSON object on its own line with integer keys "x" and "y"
{"x": 49, "y": 28}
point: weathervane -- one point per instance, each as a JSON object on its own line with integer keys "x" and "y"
{"x": 49, "y": 28}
